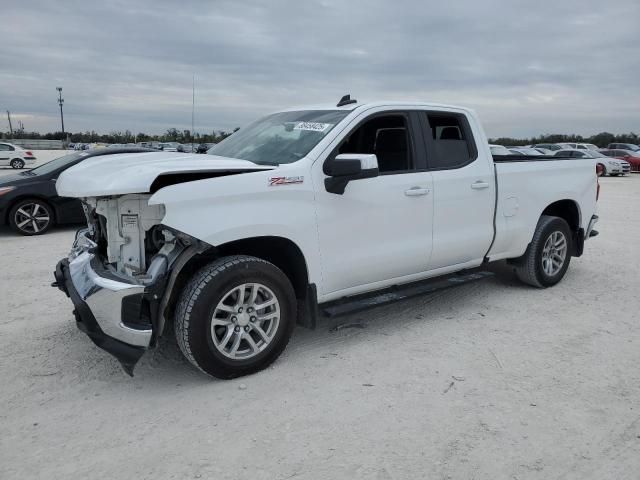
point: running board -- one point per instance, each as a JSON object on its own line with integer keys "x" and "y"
{"x": 356, "y": 304}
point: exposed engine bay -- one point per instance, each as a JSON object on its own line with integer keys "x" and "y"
{"x": 130, "y": 238}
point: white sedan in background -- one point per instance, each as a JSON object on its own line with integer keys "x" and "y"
{"x": 610, "y": 166}
{"x": 14, "y": 156}
{"x": 499, "y": 150}
{"x": 528, "y": 151}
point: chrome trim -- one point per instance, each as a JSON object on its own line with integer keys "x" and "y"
{"x": 104, "y": 295}
{"x": 82, "y": 243}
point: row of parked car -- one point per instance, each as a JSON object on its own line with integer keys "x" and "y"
{"x": 616, "y": 159}
{"x": 164, "y": 146}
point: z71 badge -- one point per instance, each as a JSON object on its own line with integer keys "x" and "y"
{"x": 275, "y": 181}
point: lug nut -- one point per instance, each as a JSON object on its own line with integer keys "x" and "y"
{"x": 240, "y": 310}
{"x": 237, "y": 329}
{"x": 253, "y": 319}
{"x": 246, "y": 329}
{"x": 249, "y": 309}
{"x": 234, "y": 319}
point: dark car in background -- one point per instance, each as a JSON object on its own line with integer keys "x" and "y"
{"x": 624, "y": 146}
{"x": 203, "y": 147}
{"x": 29, "y": 202}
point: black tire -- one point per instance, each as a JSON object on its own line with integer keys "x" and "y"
{"x": 529, "y": 267}
{"x": 22, "y": 210}
{"x": 17, "y": 163}
{"x": 197, "y": 306}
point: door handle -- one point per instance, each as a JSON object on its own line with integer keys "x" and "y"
{"x": 416, "y": 191}
{"x": 479, "y": 185}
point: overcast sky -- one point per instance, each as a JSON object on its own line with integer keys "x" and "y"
{"x": 527, "y": 67}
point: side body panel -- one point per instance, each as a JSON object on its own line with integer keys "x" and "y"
{"x": 525, "y": 189}
{"x": 224, "y": 209}
{"x": 464, "y": 203}
{"x": 376, "y": 231}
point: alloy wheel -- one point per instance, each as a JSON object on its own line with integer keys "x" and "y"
{"x": 554, "y": 253}
{"x": 245, "y": 321}
{"x": 32, "y": 218}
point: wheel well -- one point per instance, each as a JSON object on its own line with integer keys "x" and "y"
{"x": 566, "y": 209}
{"x": 282, "y": 252}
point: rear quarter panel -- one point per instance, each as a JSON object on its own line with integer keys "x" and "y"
{"x": 525, "y": 189}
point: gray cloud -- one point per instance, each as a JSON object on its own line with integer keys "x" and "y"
{"x": 526, "y": 67}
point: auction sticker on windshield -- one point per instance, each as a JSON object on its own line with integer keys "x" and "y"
{"x": 312, "y": 126}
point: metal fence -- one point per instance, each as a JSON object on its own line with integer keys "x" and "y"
{"x": 37, "y": 144}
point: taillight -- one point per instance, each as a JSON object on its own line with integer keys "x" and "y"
{"x": 599, "y": 172}
{"x": 29, "y": 154}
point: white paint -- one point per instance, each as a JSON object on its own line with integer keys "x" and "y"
{"x": 135, "y": 172}
{"x": 382, "y": 231}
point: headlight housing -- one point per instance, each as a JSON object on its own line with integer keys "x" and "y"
{"x": 4, "y": 190}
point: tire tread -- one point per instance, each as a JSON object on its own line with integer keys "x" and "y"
{"x": 191, "y": 293}
{"x": 525, "y": 268}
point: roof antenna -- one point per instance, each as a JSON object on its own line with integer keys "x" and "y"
{"x": 346, "y": 100}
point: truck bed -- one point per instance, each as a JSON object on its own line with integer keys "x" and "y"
{"x": 527, "y": 185}
{"x": 527, "y": 158}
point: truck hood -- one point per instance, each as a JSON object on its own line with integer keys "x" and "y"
{"x": 124, "y": 173}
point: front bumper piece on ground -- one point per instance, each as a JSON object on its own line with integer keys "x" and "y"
{"x": 111, "y": 312}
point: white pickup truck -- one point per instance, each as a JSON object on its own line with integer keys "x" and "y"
{"x": 301, "y": 209}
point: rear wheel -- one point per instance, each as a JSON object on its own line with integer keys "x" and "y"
{"x": 548, "y": 255}
{"x": 31, "y": 217}
{"x": 17, "y": 163}
{"x": 235, "y": 317}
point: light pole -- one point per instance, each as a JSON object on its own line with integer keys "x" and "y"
{"x": 60, "y": 102}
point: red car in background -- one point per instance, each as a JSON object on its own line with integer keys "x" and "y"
{"x": 632, "y": 157}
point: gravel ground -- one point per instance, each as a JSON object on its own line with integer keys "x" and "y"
{"x": 492, "y": 380}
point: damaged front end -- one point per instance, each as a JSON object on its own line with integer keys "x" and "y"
{"x": 119, "y": 272}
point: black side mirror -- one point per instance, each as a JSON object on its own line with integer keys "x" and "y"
{"x": 347, "y": 167}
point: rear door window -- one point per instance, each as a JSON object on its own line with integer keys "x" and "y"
{"x": 449, "y": 140}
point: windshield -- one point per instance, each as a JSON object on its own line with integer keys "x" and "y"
{"x": 56, "y": 163}
{"x": 279, "y": 138}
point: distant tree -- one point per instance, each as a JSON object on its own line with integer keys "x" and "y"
{"x": 171, "y": 135}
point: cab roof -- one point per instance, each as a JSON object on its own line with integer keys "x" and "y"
{"x": 381, "y": 103}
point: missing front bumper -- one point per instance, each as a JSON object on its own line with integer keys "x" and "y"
{"x": 99, "y": 312}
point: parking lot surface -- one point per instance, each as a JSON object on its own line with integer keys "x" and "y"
{"x": 491, "y": 380}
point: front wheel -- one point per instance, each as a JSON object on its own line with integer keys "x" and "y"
{"x": 547, "y": 257}
{"x": 235, "y": 317}
{"x": 31, "y": 217}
